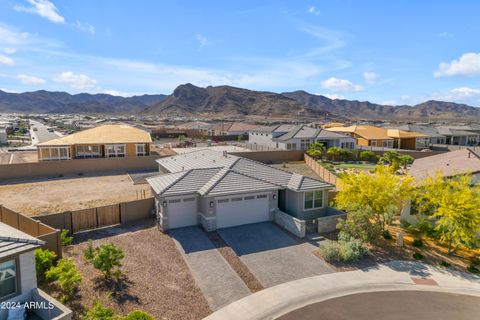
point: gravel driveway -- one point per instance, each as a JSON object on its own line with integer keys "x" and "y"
{"x": 273, "y": 256}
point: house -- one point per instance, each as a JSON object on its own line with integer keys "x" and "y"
{"x": 18, "y": 281}
{"x": 298, "y": 137}
{"x": 219, "y": 190}
{"x": 230, "y": 129}
{"x": 106, "y": 141}
{"x": 448, "y": 164}
{"x": 432, "y": 133}
{"x": 459, "y": 137}
{"x": 372, "y": 136}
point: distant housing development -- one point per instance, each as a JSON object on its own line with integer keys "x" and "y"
{"x": 298, "y": 137}
{"x": 105, "y": 141}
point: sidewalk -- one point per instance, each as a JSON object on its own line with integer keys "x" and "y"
{"x": 393, "y": 276}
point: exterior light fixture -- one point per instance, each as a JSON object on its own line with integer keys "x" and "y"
{"x": 274, "y": 197}
{"x": 164, "y": 203}
{"x": 211, "y": 204}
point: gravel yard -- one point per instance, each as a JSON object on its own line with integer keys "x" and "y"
{"x": 156, "y": 278}
{"x": 299, "y": 167}
{"x": 73, "y": 193}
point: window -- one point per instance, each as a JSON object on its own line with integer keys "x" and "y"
{"x": 188, "y": 199}
{"x": 223, "y": 200}
{"x": 387, "y": 143}
{"x": 237, "y": 199}
{"x": 312, "y": 200}
{"x": 373, "y": 143}
{"x": 55, "y": 153}
{"x": 261, "y": 196}
{"x": 174, "y": 201}
{"x": 87, "y": 151}
{"x": 249, "y": 198}
{"x": 141, "y": 149}
{"x": 8, "y": 279}
{"x": 114, "y": 150}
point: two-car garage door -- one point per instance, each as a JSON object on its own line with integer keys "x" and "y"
{"x": 240, "y": 210}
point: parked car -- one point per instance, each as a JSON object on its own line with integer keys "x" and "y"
{"x": 50, "y": 130}
{"x": 35, "y": 129}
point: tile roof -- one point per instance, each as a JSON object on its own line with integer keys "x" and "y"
{"x": 364, "y": 131}
{"x": 111, "y": 133}
{"x": 429, "y": 131}
{"x": 13, "y": 241}
{"x": 396, "y": 133}
{"x": 223, "y": 173}
{"x": 453, "y": 132}
{"x": 306, "y": 132}
{"x": 448, "y": 164}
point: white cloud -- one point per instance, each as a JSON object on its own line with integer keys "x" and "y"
{"x": 6, "y": 60}
{"x": 336, "y": 84}
{"x": 11, "y": 37}
{"x": 9, "y": 50}
{"x": 313, "y": 10}
{"x": 118, "y": 93}
{"x": 77, "y": 81}
{"x": 468, "y": 64}
{"x": 465, "y": 92}
{"x": 332, "y": 96}
{"x": 43, "y": 8}
{"x": 371, "y": 77}
{"x": 85, "y": 27}
{"x": 30, "y": 80}
{"x": 202, "y": 41}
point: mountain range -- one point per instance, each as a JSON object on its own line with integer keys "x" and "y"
{"x": 226, "y": 101}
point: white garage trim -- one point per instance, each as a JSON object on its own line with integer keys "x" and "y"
{"x": 242, "y": 209}
{"x": 182, "y": 212}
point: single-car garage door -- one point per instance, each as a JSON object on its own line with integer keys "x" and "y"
{"x": 182, "y": 212}
{"x": 236, "y": 211}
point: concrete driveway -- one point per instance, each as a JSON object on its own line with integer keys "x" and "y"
{"x": 273, "y": 256}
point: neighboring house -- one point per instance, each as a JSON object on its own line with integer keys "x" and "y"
{"x": 231, "y": 129}
{"x": 107, "y": 141}
{"x": 448, "y": 164}
{"x": 459, "y": 137}
{"x": 288, "y": 137}
{"x": 430, "y": 132}
{"x": 219, "y": 190}
{"x": 372, "y": 136}
{"x": 18, "y": 281}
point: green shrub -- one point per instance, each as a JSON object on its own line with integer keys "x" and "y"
{"x": 445, "y": 264}
{"x": 417, "y": 256}
{"x": 473, "y": 269}
{"x": 417, "y": 243}
{"x": 43, "y": 262}
{"x": 65, "y": 239}
{"x": 138, "y": 315}
{"x": 387, "y": 235}
{"x": 108, "y": 257}
{"x": 99, "y": 312}
{"x": 89, "y": 252}
{"x": 330, "y": 251}
{"x": 368, "y": 155}
{"x": 65, "y": 276}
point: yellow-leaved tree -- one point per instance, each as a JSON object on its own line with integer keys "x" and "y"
{"x": 454, "y": 204}
{"x": 371, "y": 201}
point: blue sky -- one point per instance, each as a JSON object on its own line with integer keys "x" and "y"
{"x": 401, "y": 52}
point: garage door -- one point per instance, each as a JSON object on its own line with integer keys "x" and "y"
{"x": 182, "y": 212}
{"x": 242, "y": 210}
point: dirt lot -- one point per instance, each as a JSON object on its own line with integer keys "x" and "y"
{"x": 71, "y": 193}
{"x": 18, "y": 157}
{"x": 299, "y": 167}
{"x": 156, "y": 278}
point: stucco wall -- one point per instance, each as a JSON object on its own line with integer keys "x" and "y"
{"x": 294, "y": 205}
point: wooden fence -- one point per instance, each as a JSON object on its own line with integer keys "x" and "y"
{"x": 33, "y": 228}
{"x": 93, "y": 218}
{"x": 321, "y": 171}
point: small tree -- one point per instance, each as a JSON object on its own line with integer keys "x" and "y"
{"x": 405, "y": 160}
{"x": 392, "y": 159}
{"x": 315, "y": 149}
{"x": 181, "y": 139}
{"x": 65, "y": 276}
{"x": 65, "y": 239}
{"x": 99, "y": 312}
{"x": 43, "y": 262}
{"x": 106, "y": 258}
{"x": 334, "y": 153}
{"x": 346, "y": 154}
{"x": 89, "y": 252}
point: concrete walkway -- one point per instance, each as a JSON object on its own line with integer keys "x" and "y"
{"x": 219, "y": 283}
{"x": 393, "y": 276}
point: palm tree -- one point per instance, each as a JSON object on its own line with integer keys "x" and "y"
{"x": 392, "y": 158}
{"x": 315, "y": 149}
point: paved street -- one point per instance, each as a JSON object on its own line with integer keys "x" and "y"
{"x": 42, "y": 134}
{"x": 273, "y": 256}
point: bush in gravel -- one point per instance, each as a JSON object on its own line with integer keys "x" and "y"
{"x": 106, "y": 258}
{"x": 99, "y": 312}
{"x": 138, "y": 315}
{"x": 418, "y": 256}
{"x": 65, "y": 239}
{"x": 65, "y": 276}
{"x": 473, "y": 269}
{"x": 43, "y": 262}
{"x": 345, "y": 249}
{"x": 89, "y": 252}
{"x": 417, "y": 243}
